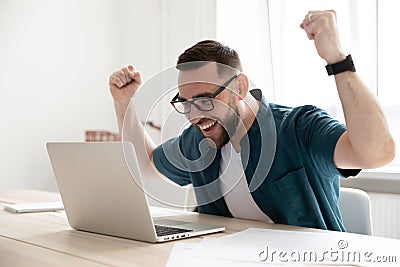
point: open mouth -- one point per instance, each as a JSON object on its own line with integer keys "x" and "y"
{"x": 208, "y": 128}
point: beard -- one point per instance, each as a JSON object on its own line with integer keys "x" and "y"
{"x": 228, "y": 125}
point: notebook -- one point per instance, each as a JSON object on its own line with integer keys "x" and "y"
{"x": 101, "y": 188}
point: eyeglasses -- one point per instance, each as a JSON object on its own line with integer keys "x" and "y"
{"x": 201, "y": 103}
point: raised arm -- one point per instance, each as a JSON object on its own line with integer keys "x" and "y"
{"x": 367, "y": 143}
{"x": 123, "y": 85}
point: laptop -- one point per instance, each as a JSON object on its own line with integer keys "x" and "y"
{"x": 101, "y": 194}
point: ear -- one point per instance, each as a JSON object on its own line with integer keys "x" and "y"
{"x": 243, "y": 85}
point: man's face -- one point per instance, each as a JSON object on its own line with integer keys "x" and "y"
{"x": 220, "y": 123}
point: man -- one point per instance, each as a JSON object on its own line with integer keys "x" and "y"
{"x": 296, "y": 180}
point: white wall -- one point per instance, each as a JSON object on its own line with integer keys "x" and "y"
{"x": 55, "y": 58}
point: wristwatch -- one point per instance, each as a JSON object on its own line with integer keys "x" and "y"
{"x": 345, "y": 65}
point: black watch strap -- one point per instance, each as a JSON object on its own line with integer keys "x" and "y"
{"x": 345, "y": 65}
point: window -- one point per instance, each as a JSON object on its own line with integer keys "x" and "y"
{"x": 388, "y": 57}
{"x": 278, "y": 57}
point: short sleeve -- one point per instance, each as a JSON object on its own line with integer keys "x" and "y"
{"x": 165, "y": 165}
{"x": 318, "y": 134}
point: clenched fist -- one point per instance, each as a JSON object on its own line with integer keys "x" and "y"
{"x": 124, "y": 84}
{"x": 321, "y": 27}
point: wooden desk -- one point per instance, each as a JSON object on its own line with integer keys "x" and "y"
{"x": 42, "y": 239}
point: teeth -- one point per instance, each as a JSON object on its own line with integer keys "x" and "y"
{"x": 204, "y": 127}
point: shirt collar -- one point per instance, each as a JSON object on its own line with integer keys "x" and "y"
{"x": 262, "y": 113}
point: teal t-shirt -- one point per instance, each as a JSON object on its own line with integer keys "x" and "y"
{"x": 287, "y": 156}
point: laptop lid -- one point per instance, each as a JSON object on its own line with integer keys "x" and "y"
{"x": 101, "y": 188}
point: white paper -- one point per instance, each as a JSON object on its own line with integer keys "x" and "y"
{"x": 198, "y": 255}
{"x": 254, "y": 246}
{"x": 34, "y": 207}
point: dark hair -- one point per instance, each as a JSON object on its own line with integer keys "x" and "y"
{"x": 209, "y": 50}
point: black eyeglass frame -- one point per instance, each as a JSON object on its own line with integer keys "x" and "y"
{"x": 192, "y": 101}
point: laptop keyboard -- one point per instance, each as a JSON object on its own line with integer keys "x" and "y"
{"x": 163, "y": 230}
